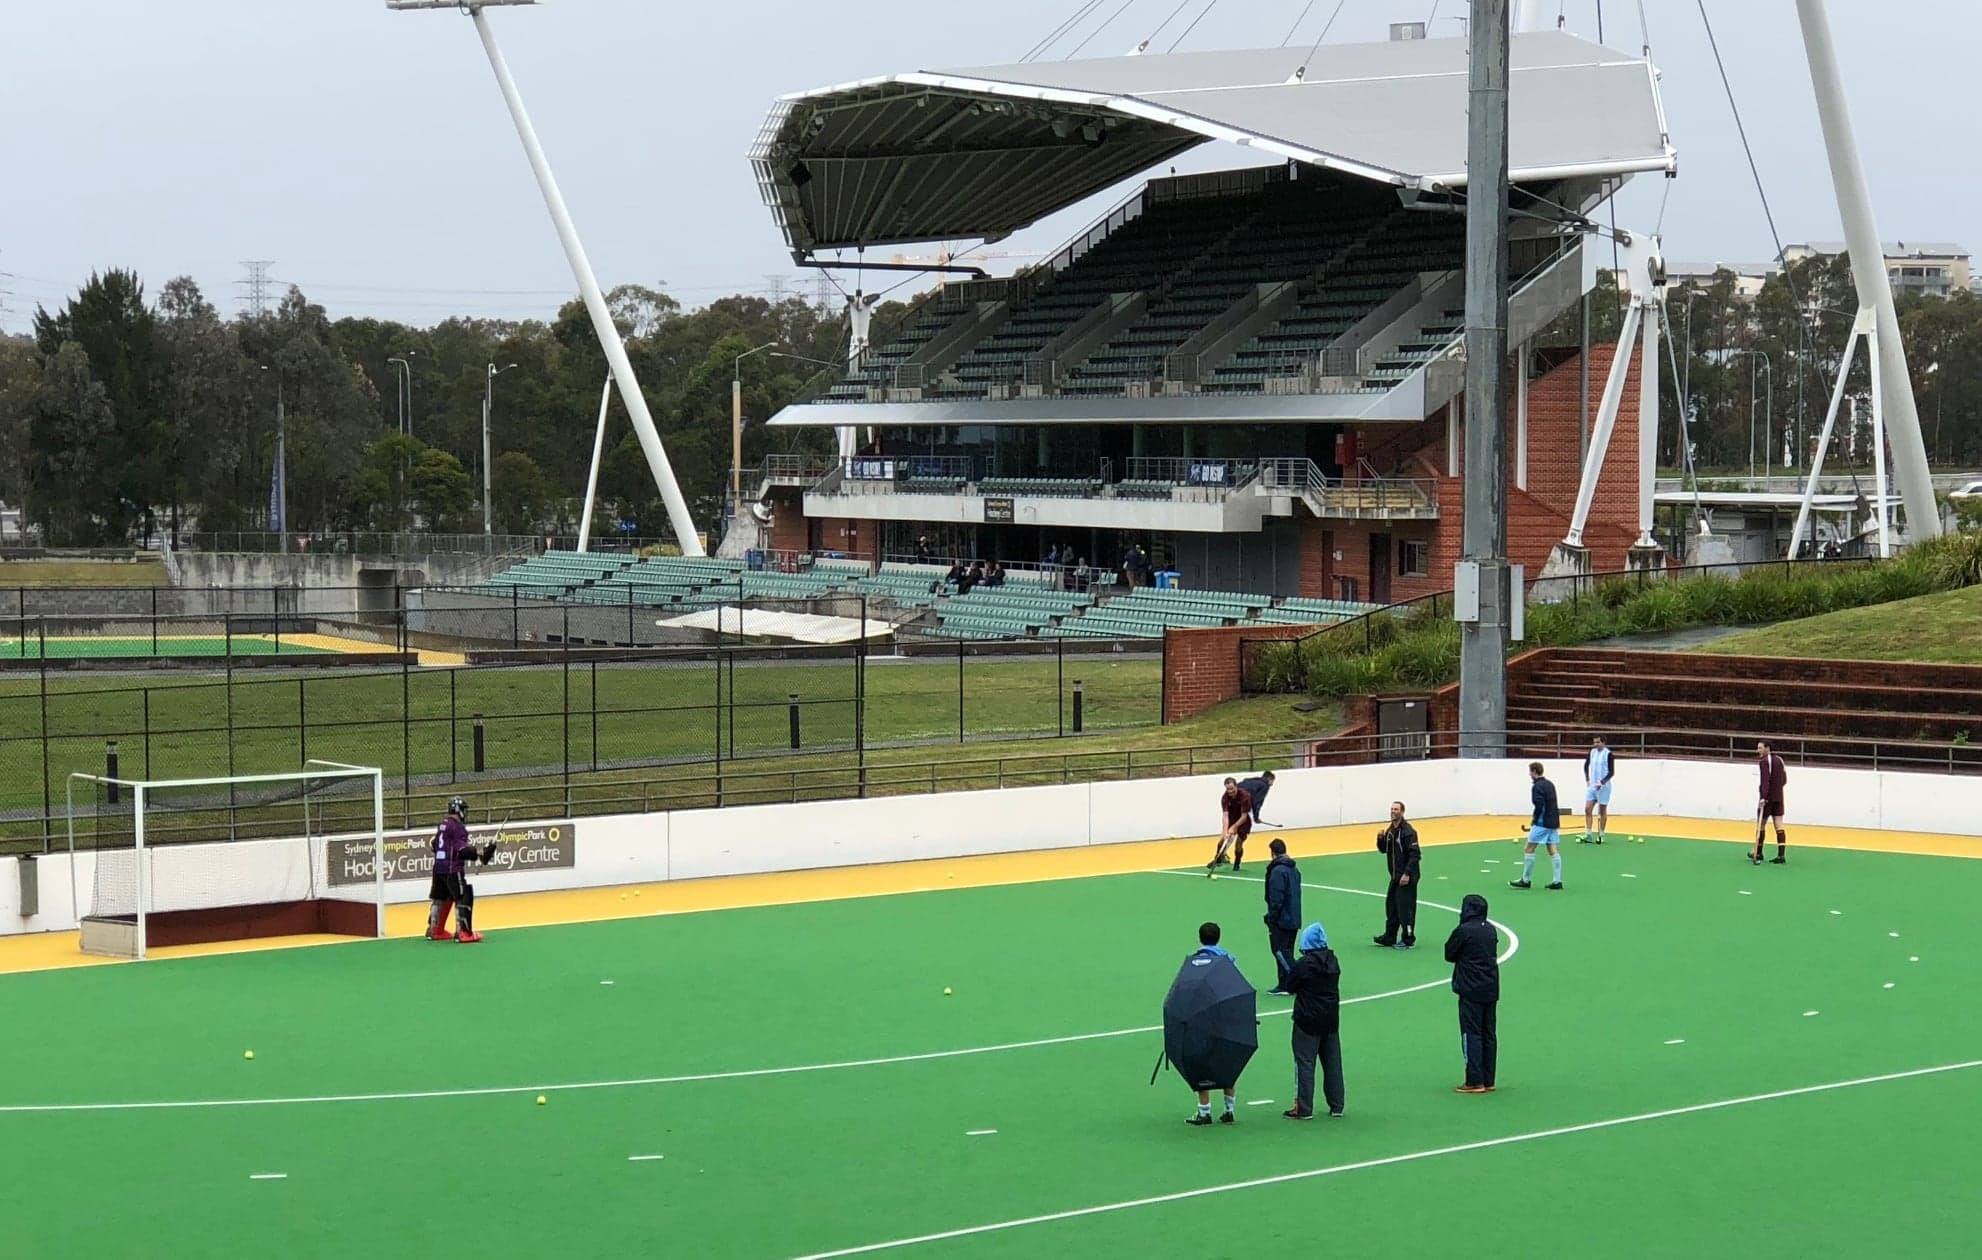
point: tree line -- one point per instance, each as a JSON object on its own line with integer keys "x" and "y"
{"x": 126, "y": 418}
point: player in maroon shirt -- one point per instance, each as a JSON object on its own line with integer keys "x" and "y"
{"x": 1236, "y": 807}
{"x": 1775, "y": 776}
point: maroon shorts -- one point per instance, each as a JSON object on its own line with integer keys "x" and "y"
{"x": 1244, "y": 829}
{"x": 1772, "y": 808}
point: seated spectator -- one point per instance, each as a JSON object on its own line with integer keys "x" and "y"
{"x": 957, "y": 573}
{"x": 994, "y": 574}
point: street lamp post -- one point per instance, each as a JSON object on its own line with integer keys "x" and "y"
{"x": 488, "y": 410}
{"x": 1768, "y": 366}
{"x": 736, "y": 424}
{"x": 400, "y": 381}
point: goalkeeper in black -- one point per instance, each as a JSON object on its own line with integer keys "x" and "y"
{"x": 453, "y": 850}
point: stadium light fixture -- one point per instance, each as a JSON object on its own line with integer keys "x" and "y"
{"x": 488, "y": 412}
{"x": 736, "y": 423}
{"x": 581, "y": 270}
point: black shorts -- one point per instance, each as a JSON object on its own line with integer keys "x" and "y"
{"x": 1241, "y": 829}
{"x": 445, "y": 887}
{"x": 1772, "y": 809}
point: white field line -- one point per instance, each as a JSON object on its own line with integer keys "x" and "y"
{"x": 638, "y": 1082}
{"x": 1409, "y": 1157}
{"x": 643, "y": 1159}
{"x": 268, "y": 1176}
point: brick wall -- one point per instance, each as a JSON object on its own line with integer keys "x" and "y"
{"x": 1201, "y": 667}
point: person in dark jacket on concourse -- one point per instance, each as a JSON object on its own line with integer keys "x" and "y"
{"x": 1399, "y": 845}
{"x": 1473, "y": 949}
{"x": 1283, "y": 912}
{"x": 1316, "y": 983}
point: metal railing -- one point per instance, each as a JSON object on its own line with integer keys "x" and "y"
{"x": 402, "y": 543}
{"x": 1675, "y": 743}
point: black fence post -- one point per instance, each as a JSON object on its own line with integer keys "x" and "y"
{"x": 275, "y": 615}
{"x": 629, "y": 616}
{"x": 594, "y": 706}
{"x": 860, "y": 699}
{"x": 302, "y": 722}
{"x": 566, "y": 759}
{"x": 229, "y": 683}
{"x": 147, "y": 731}
{"x": 405, "y": 740}
{"x": 154, "y": 621}
{"x": 960, "y": 691}
{"x": 1060, "y": 685}
{"x": 717, "y": 711}
{"x": 453, "y": 729}
{"x": 791, "y": 703}
{"x": 1079, "y": 707}
{"x": 110, "y": 770}
{"x": 481, "y": 746}
{"x": 47, "y": 805}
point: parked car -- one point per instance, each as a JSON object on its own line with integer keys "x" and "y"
{"x": 1973, "y": 490}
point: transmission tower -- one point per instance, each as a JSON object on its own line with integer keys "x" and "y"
{"x": 255, "y": 289}
{"x": 777, "y": 287}
{"x": 822, "y": 294}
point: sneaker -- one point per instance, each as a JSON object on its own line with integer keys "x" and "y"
{"x": 1469, "y": 1089}
{"x": 1555, "y": 887}
{"x": 1230, "y": 1117}
{"x": 1400, "y": 946}
{"x": 468, "y": 938}
{"x": 1278, "y": 993}
{"x": 1385, "y": 941}
{"x": 1334, "y": 1115}
{"x": 1409, "y": 942}
{"x": 1295, "y": 1113}
{"x": 1754, "y": 859}
{"x": 1236, "y": 868}
{"x": 1519, "y": 883}
{"x": 439, "y": 934}
{"x": 1198, "y": 1121}
{"x": 1599, "y": 839}
{"x": 1778, "y": 861}
{"x": 1585, "y": 839}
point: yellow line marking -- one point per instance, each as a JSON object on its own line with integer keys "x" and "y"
{"x": 56, "y": 950}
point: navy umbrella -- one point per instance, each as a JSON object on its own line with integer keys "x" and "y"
{"x": 1210, "y": 1022}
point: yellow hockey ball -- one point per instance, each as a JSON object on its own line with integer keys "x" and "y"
{"x": 247, "y": 1054}
{"x": 948, "y": 991}
{"x": 541, "y": 1100}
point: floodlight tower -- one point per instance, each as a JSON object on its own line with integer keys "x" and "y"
{"x": 581, "y": 270}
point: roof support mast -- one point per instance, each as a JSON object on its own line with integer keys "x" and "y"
{"x": 1893, "y": 400}
{"x": 1484, "y": 574}
{"x": 581, "y": 269}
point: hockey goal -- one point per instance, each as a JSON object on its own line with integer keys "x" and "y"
{"x": 184, "y": 861}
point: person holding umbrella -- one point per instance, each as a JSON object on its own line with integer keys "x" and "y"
{"x": 1210, "y": 1025}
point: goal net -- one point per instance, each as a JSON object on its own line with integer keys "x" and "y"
{"x": 181, "y": 861}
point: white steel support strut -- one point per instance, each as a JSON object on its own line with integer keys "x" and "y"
{"x": 581, "y": 269}
{"x": 1894, "y": 395}
{"x": 1613, "y": 401}
{"x": 1859, "y": 332}
{"x": 592, "y": 477}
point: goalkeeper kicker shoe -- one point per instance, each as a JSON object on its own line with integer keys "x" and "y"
{"x": 468, "y": 938}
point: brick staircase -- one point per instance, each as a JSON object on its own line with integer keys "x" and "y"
{"x": 1813, "y": 710}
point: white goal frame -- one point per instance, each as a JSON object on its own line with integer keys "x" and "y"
{"x": 141, "y": 789}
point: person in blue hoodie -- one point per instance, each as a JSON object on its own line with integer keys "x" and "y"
{"x": 1316, "y": 983}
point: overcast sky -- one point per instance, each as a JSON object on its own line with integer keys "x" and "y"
{"x": 368, "y": 153}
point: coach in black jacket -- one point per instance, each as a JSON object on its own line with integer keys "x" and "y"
{"x": 1283, "y": 912}
{"x": 1399, "y": 845}
{"x": 1473, "y": 949}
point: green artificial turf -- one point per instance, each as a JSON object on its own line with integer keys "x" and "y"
{"x": 30, "y": 648}
{"x": 795, "y": 1162}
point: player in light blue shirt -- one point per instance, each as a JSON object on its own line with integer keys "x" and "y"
{"x": 1599, "y": 768}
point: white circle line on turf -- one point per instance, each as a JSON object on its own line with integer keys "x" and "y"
{"x": 1310, "y": 1174}
{"x": 268, "y": 1176}
{"x": 735, "y": 1074}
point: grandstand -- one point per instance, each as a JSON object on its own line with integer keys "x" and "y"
{"x": 1253, "y": 375}
{"x": 1031, "y": 604}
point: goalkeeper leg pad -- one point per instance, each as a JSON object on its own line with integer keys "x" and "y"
{"x": 465, "y": 916}
{"x": 437, "y": 920}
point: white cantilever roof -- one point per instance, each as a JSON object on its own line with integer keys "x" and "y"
{"x": 984, "y": 151}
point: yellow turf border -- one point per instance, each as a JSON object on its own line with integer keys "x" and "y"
{"x": 50, "y": 951}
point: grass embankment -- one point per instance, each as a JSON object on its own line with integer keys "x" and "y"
{"x": 1419, "y": 647}
{"x": 1945, "y": 628}
{"x": 141, "y": 572}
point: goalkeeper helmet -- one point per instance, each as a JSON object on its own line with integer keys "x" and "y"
{"x": 458, "y": 807}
